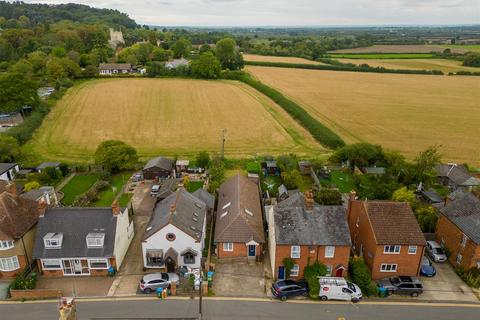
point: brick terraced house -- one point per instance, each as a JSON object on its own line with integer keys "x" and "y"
{"x": 387, "y": 235}
{"x": 306, "y": 232}
{"x": 82, "y": 241}
{"x": 239, "y": 221}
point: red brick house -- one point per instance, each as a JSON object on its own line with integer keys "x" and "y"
{"x": 458, "y": 229}
{"x": 239, "y": 221}
{"x": 387, "y": 235}
{"x": 300, "y": 229}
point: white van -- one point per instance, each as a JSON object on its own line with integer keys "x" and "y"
{"x": 336, "y": 288}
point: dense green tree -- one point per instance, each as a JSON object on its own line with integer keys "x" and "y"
{"x": 114, "y": 155}
{"x": 328, "y": 197}
{"x": 405, "y": 195}
{"x": 472, "y": 59}
{"x": 90, "y": 71}
{"x": 287, "y": 162}
{"x": 228, "y": 55}
{"x": 202, "y": 159}
{"x": 9, "y": 149}
{"x": 181, "y": 48}
{"x": 292, "y": 179}
{"x": 160, "y": 54}
{"x": 311, "y": 272}
{"x": 16, "y": 91}
{"x": 359, "y": 155}
{"x": 360, "y": 275}
{"x": 427, "y": 218}
{"x": 206, "y": 66}
{"x": 423, "y": 167}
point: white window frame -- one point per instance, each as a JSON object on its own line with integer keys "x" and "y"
{"x": 463, "y": 243}
{"x": 295, "y": 252}
{"x": 294, "y": 272}
{"x": 412, "y": 249}
{"x": 90, "y": 261}
{"x": 60, "y": 263}
{"x": 6, "y": 244}
{"x": 329, "y": 251}
{"x": 228, "y": 246}
{"x": 9, "y": 264}
{"x": 396, "y": 249}
{"x": 95, "y": 241}
{"x": 384, "y": 267}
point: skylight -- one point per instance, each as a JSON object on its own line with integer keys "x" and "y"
{"x": 226, "y": 206}
{"x": 224, "y": 214}
{"x": 249, "y": 212}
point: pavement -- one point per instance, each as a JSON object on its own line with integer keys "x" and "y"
{"x": 77, "y": 286}
{"x": 239, "y": 279}
{"x": 215, "y": 308}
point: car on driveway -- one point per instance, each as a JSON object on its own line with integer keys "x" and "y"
{"x": 150, "y": 282}
{"x": 427, "y": 269}
{"x": 435, "y": 251}
{"x": 155, "y": 189}
{"x": 284, "y": 289}
{"x": 401, "y": 285}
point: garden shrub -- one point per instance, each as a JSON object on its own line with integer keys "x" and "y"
{"x": 311, "y": 273}
{"x": 288, "y": 264}
{"x": 361, "y": 276}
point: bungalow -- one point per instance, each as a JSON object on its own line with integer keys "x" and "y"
{"x": 109, "y": 69}
{"x": 175, "y": 234}
{"x": 45, "y": 165}
{"x": 158, "y": 167}
{"x": 458, "y": 230}
{"x": 387, "y": 235}
{"x": 239, "y": 221}
{"x": 8, "y": 171}
{"x": 82, "y": 241}
{"x": 174, "y": 64}
{"x": 302, "y": 230}
{"x": 18, "y": 218}
{"x": 456, "y": 176}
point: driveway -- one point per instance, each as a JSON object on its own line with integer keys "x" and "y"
{"x": 77, "y": 286}
{"x": 446, "y": 285}
{"x": 142, "y": 202}
{"x": 239, "y": 279}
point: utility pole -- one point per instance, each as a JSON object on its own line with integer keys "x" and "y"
{"x": 200, "y": 298}
{"x": 222, "y": 153}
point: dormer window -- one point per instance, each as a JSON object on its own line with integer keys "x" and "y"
{"x": 53, "y": 240}
{"x": 95, "y": 240}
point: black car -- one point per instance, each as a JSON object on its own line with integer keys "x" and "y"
{"x": 284, "y": 289}
{"x": 401, "y": 285}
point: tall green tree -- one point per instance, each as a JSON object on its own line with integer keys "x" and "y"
{"x": 16, "y": 91}
{"x": 9, "y": 149}
{"x": 181, "y": 48}
{"x": 206, "y": 66}
{"x": 115, "y": 155}
{"x": 228, "y": 55}
{"x": 359, "y": 155}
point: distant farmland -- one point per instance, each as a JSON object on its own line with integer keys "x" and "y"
{"x": 415, "y": 48}
{"x": 168, "y": 117}
{"x": 255, "y": 57}
{"x": 401, "y": 112}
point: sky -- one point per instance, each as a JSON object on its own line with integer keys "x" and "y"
{"x": 291, "y": 12}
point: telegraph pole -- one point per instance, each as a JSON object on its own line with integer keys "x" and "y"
{"x": 200, "y": 297}
{"x": 222, "y": 153}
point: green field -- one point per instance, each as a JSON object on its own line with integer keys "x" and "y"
{"x": 466, "y": 48}
{"x": 381, "y": 55}
{"x": 77, "y": 186}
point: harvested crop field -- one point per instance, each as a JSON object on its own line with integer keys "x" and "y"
{"x": 168, "y": 117}
{"x": 414, "y": 64}
{"x": 415, "y": 48}
{"x": 256, "y": 57}
{"x": 401, "y": 112}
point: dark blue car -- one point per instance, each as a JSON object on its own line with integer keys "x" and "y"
{"x": 284, "y": 289}
{"x": 427, "y": 269}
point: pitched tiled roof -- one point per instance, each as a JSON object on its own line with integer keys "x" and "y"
{"x": 180, "y": 209}
{"x": 160, "y": 162}
{"x": 115, "y": 66}
{"x": 464, "y": 212}
{"x": 392, "y": 222}
{"x": 206, "y": 197}
{"x": 458, "y": 174}
{"x": 239, "y": 213}
{"x": 4, "y": 167}
{"x": 17, "y": 216}
{"x": 324, "y": 225}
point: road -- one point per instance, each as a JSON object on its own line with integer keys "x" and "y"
{"x": 215, "y": 309}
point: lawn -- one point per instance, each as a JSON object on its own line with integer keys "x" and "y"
{"x": 125, "y": 199}
{"x": 77, "y": 186}
{"x": 398, "y": 48}
{"x": 342, "y": 180}
{"x": 414, "y": 64}
{"x": 168, "y": 117}
{"x": 401, "y": 112}
{"x": 465, "y": 48}
{"x": 194, "y": 185}
{"x": 381, "y": 55}
{"x": 255, "y": 57}
{"x": 106, "y": 197}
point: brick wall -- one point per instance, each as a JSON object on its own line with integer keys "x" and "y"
{"x": 452, "y": 237}
{"x": 240, "y": 249}
{"x": 407, "y": 264}
{"x": 22, "y": 261}
{"x": 35, "y": 294}
{"x": 315, "y": 253}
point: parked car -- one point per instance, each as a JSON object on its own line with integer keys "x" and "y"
{"x": 427, "y": 269}
{"x": 155, "y": 189}
{"x": 284, "y": 289}
{"x": 337, "y": 288}
{"x": 402, "y": 285}
{"x": 152, "y": 281}
{"x": 435, "y": 251}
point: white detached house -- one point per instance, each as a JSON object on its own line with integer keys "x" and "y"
{"x": 175, "y": 234}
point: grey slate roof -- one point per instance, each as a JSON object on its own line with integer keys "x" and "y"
{"x": 464, "y": 212}
{"x": 180, "y": 209}
{"x": 206, "y": 197}
{"x": 324, "y": 225}
{"x": 432, "y": 196}
{"x": 4, "y": 167}
{"x": 457, "y": 173}
{"x": 75, "y": 224}
{"x": 115, "y": 66}
{"x": 48, "y": 165}
{"x": 160, "y": 162}
{"x": 35, "y": 194}
{"x": 374, "y": 170}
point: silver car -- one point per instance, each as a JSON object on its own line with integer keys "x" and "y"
{"x": 150, "y": 282}
{"x": 435, "y": 251}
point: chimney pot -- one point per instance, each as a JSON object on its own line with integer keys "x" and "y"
{"x": 115, "y": 208}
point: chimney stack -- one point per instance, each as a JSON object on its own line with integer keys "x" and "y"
{"x": 11, "y": 188}
{"x": 115, "y": 208}
{"x": 42, "y": 207}
{"x": 309, "y": 200}
{"x": 173, "y": 208}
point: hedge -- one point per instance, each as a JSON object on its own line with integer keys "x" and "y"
{"x": 338, "y": 66}
{"x": 321, "y": 133}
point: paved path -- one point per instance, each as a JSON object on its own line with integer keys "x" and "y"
{"x": 241, "y": 309}
{"x": 239, "y": 279}
{"x": 64, "y": 182}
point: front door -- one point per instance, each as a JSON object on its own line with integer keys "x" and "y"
{"x": 170, "y": 263}
{"x": 339, "y": 272}
{"x": 77, "y": 266}
{"x": 251, "y": 250}
{"x": 281, "y": 273}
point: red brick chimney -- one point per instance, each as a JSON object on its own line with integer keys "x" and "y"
{"x": 41, "y": 208}
{"x": 116, "y": 208}
{"x": 11, "y": 188}
{"x": 309, "y": 200}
